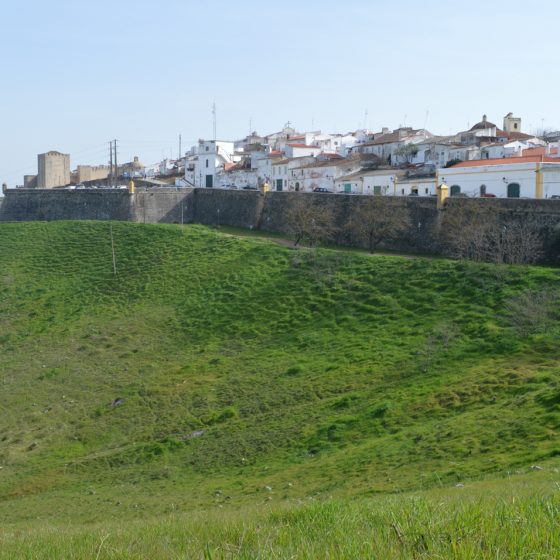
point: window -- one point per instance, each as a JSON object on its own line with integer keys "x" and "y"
{"x": 454, "y": 190}
{"x": 206, "y": 163}
{"x": 207, "y": 148}
{"x": 426, "y": 190}
{"x": 402, "y": 191}
{"x": 515, "y": 126}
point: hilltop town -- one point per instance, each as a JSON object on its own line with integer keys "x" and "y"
{"x": 484, "y": 161}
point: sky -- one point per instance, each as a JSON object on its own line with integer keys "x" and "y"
{"x": 76, "y": 74}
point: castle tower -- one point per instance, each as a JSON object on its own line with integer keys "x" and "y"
{"x": 54, "y": 170}
{"x": 511, "y": 123}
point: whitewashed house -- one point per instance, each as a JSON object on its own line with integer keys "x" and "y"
{"x": 204, "y": 162}
{"x": 282, "y": 171}
{"x": 515, "y": 177}
{"x": 301, "y": 150}
{"x": 386, "y": 182}
{"x": 385, "y": 146}
{"x": 323, "y": 174}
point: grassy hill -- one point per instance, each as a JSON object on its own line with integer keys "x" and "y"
{"x": 219, "y": 371}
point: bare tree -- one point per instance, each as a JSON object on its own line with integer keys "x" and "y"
{"x": 309, "y": 221}
{"x": 518, "y": 243}
{"x": 465, "y": 232}
{"x": 376, "y": 221}
{"x": 480, "y": 234}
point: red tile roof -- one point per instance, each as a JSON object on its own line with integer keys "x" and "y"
{"x": 330, "y": 155}
{"x": 505, "y": 161}
{"x": 303, "y": 146}
{"x": 538, "y": 151}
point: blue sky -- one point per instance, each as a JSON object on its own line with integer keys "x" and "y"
{"x": 76, "y": 74}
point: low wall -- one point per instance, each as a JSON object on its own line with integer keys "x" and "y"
{"x": 254, "y": 210}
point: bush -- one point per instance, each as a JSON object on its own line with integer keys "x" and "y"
{"x": 533, "y": 311}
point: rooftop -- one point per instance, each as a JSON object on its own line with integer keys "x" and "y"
{"x": 506, "y": 161}
{"x": 483, "y": 124}
{"x": 304, "y": 146}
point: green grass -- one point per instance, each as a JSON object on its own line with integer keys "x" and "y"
{"x": 215, "y": 367}
{"x": 519, "y": 520}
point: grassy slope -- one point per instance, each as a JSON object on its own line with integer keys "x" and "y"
{"x": 313, "y": 374}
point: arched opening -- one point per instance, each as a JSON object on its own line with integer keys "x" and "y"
{"x": 482, "y": 190}
{"x": 514, "y": 190}
{"x": 454, "y": 190}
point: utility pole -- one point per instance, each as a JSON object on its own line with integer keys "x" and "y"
{"x": 111, "y": 163}
{"x": 180, "y": 152}
{"x": 116, "y": 165}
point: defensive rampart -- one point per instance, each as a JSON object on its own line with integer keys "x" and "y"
{"x": 254, "y": 210}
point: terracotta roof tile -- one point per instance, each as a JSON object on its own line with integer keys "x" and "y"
{"x": 505, "y": 161}
{"x": 303, "y": 146}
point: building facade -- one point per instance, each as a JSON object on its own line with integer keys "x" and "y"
{"x": 517, "y": 177}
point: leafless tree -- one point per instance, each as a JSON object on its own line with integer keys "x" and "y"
{"x": 309, "y": 221}
{"x": 518, "y": 243}
{"x": 479, "y": 234}
{"x": 376, "y": 221}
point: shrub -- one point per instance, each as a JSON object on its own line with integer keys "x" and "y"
{"x": 533, "y": 311}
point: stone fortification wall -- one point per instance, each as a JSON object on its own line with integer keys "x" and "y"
{"x": 422, "y": 211}
{"x": 228, "y": 207}
{"x": 41, "y": 204}
{"x": 252, "y": 209}
{"x": 162, "y": 205}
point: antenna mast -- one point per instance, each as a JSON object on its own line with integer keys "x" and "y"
{"x": 214, "y": 118}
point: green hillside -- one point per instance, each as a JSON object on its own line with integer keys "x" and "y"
{"x": 215, "y": 370}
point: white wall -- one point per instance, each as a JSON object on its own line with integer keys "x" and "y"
{"x": 297, "y": 151}
{"x": 497, "y": 177}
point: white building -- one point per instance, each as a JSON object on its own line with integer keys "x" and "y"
{"x": 282, "y": 171}
{"x": 388, "y": 182}
{"x": 516, "y": 177}
{"x": 323, "y": 174}
{"x": 210, "y": 160}
{"x": 386, "y": 144}
{"x": 301, "y": 150}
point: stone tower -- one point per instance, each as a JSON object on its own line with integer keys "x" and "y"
{"x": 54, "y": 170}
{"x": 511, "y": 123}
